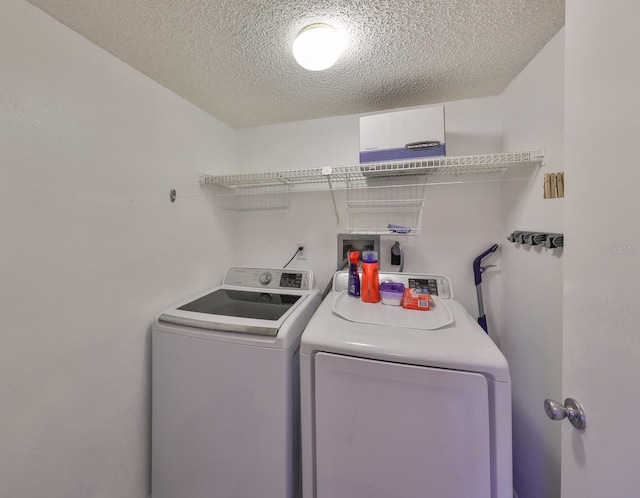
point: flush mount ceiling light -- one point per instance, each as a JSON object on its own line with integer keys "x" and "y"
{"x": 317, "y": 47}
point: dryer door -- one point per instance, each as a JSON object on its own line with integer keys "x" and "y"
{"x": 391, "y": 430}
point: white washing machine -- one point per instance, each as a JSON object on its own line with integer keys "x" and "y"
{"x": 403, "y": 403}
{"x": 225, "y": 397}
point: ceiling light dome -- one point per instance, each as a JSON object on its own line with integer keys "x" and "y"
{"x": 317, "y": 47}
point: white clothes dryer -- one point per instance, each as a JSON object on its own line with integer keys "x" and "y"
{"x": 403, "y": 403}
{"x": 225, "y": 396}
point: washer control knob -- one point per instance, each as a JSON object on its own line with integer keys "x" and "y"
{"x": 265, "y": 278}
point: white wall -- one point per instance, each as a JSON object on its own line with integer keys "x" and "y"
{"x": 459, "y": 221}
{"x": 92, "y": 250}
{"x": 531, "y": 320}
{"x": 601, "y": 341}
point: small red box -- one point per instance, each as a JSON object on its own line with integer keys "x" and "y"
{"x": 416, "y": 299}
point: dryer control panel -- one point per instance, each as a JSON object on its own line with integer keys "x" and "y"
{"x": 437, "y": 285}
{"x": 269, "y": 278}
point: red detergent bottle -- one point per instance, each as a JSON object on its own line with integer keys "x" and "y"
{"x": 369, "y": 289}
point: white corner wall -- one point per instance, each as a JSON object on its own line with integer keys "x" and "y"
{"x": 92, "y": 249}
{"x": 459, "y": 221}
{"x": 531, "y": 320}
{"x": 601, "y": 340}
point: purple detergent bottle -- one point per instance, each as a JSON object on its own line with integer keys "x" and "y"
{"x": 354, "y": 277}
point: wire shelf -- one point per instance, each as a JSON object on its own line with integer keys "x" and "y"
{"x": 255, "y": 198}
{"x": 341, "y": 177}
{"x": 403, "y": 217}
{"x": 271, "y": 190}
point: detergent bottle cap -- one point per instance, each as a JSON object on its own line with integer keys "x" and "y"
{"x": 369, "y": 256}
{"x": 354, "y": 256}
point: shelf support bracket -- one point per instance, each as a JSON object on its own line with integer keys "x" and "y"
{"x": 539, "y": 156}
{"x": 326, "y": 170}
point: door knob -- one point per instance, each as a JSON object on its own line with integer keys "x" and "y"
{"x": 571, "y": 410}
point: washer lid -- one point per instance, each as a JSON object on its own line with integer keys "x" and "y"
{"x": 250, "y": 301}
{"x": 244, "y": 304}
{"x": 234, "y": 310}
{"x": 462, "y": 345}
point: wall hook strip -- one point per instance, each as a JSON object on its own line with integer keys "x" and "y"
{"x": 545, "y": 239}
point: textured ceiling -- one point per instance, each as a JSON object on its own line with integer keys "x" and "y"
{"x": 233, "y": 58}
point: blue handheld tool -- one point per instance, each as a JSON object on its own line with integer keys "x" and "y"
{"x": 478, "y": 270}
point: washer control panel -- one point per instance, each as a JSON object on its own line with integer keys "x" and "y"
{"x": 269, "y": 278}
{"x": 436, "y": 285}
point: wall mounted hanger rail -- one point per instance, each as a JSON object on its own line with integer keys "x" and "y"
{"x": 544, "y": 239}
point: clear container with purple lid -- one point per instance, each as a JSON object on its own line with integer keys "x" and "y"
{"x": 391, "y": 293}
